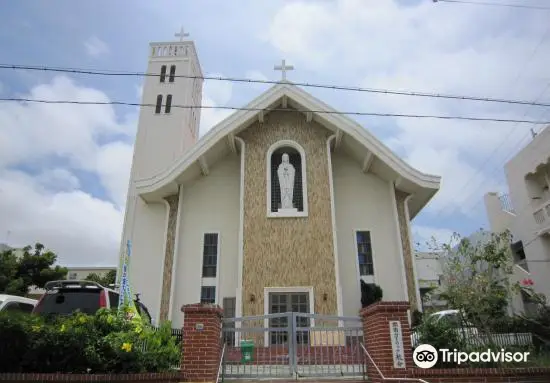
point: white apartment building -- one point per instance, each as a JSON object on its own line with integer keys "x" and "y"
{"x": 429, "y": 274}
{"x": 525, "y": 211}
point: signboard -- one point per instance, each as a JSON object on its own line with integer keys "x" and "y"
{"x": 397, "y": 344}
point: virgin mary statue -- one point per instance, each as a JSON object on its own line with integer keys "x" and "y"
{"x": 286, "y": 172}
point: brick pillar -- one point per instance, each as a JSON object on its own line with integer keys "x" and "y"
{"x": 201, "y": 345}
{"x": 376, "y": 333}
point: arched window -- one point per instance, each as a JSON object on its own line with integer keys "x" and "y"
{"x": 286, "y": 180}
{"x": 162, "y": 73}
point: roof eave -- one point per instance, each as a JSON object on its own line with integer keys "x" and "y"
{"x": 165, "y": 183}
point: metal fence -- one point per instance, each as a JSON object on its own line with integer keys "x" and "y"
{"x": 293, "y": 345}
{"x": 471, "y": 337}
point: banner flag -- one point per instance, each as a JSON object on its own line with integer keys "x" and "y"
{"x": 125, "y": 293}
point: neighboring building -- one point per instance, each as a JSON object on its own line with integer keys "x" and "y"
{"x": 525, "y": 211}
{"x": 76, "y": 273}
{"x": 271, "y": 211}
{"x": 429, "y": 273}
{"x": 5, "y": 247}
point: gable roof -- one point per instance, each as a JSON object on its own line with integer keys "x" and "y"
{"x": 406, "y": 178}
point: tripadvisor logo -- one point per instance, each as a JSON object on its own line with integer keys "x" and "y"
{"x": 426, "y": 356}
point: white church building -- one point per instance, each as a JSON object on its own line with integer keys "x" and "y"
{"x": 283, "y": 206}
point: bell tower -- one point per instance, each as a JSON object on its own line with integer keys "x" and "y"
{"x": 166, "y": 130}
{"x": 168, "y": 127}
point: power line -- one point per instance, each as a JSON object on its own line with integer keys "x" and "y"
{"x": 514, "y": 128}
{"x": 512, "y": 154}
{"x": 105, "y": 72}
{"x": 488, "y": 158}
{"x": 493, "y": 4}
{"x": 375, "y": 114}
{"x": 525, "y": 139}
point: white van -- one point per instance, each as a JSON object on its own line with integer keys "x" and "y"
{"x": 16, "y": 303}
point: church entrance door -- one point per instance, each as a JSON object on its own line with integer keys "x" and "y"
{"x": 288, "y": 302}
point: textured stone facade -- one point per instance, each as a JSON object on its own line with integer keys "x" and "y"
{"x": 287, "y": 252}
{"x": 408, "y": 252}
{"x": 173, "y": 203}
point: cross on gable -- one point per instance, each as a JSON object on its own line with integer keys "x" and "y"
{"x": 283, "y": 68}
{"x": 181, "y": 34}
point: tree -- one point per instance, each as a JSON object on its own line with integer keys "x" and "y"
{"x": 107, "y": 279}
{"x": 476, "y": 278}
{"x": 32, "y": 267}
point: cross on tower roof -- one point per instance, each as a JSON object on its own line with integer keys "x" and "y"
{"x": 283, "y": 68}
{"x": 181, "y": 34}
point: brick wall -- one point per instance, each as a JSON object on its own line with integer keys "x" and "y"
{"x": 377, "y": 340}
{"x": 376, "y": 332}
{"x": 96, "y": 378}
{"x": 483, "y": 375}
{"x": 201, "y": 342}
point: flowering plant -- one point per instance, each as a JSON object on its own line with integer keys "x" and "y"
{"x": 103, "y": 343}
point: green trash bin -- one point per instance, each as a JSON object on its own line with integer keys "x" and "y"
{"x": 247, "y": 351}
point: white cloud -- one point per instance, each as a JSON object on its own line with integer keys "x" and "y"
{"x": 113, "y": 164}
{"x": 80, "y": 228}
{"x": 96, "y": 47}
{"x": 432, "y": 48}
{"x": 52, "y": 207}
{"x": 215, "y": 93}
{"x": 139, "y": 91}
{"x": 257, "y": 75}
{"x": 58, "y": 179}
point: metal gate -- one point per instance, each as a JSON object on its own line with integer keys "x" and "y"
{"x": 292, "y": 345}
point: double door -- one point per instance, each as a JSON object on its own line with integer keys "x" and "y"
{"x": 281, "y": 330}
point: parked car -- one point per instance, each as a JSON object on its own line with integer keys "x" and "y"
{"x": 66, "y": 297}
{"x": 16, "y": 303}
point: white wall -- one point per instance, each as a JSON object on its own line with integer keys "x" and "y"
{"x": 524, "y": 227}
{"x": 163, "y": 138}
{"x": 428, "y": 267}
{"x": 499, "y": 219}
{"x": 211, "y": 204}
{"x": 147, "y": 257}
{"x": 364, "y": 202}
{"x": 522, "y": 224}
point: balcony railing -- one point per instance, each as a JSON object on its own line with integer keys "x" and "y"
{"x": 541, "y": 214}
{"x": 506, "y": 203}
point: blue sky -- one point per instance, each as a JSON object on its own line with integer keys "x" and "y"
{"x": 64, "y": 169}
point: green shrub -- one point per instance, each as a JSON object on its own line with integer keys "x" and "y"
{"x": 370, "y": 293}
{"x": 440, "y": 335}
{"x": 103, "y": 343}
{"x": 15, "y": 339}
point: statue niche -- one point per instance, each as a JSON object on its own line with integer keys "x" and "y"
{"x": 286, "y": 184}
